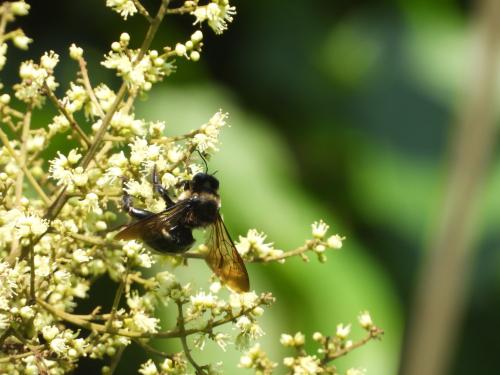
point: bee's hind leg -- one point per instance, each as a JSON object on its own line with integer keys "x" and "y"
{"x": 137, "y": 213}
{"x": 160, "y": 189}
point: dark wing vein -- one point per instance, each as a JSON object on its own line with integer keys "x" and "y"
{"x": 164, "y": 220}
{"x": 224, "y": 260}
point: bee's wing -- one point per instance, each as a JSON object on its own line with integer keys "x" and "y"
{"x": 155, "y": 224}
{"x": 224, "y": 260}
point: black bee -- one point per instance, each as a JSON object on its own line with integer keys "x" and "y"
{"x": 170, "y": 231}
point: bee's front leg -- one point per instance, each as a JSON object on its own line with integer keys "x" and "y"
{"x": 137, "y": 213}
{"x": 160, "y": 189}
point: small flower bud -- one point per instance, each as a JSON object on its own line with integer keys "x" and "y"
{"x": 299, "y": 339}
{"x": 21, "y": 41}
{"x": 124, "y": 38}
{"x": 189, "y": 45}
{"x": 287, "y": 340}
{"x": 288, "y": 361}
{"x": 26, "y": 312}
{"x": 317, "y": 336}
{"x": 320, "y": 248}
{"x": 180, "y": 49}
{"x": 101, "y": 225}
{"x": 115, "y": 46}
{"x": 334, "y": 242}
{"x": 195, "y": 56}
{"x": 246, "y": 361}
{"x": 49, "y": 332}
{"x": 5, "y": 99}
{"x": 197, "y": 36}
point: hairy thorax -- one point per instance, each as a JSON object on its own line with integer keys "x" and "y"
{"x": 204, "y": 210}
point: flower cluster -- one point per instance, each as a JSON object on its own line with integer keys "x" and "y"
{"x": 253, "y": 246}
{"x": 330, "y": 348}
{"x": 58, "y": 218}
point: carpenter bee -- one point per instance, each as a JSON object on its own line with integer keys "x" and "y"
{"x": 170, "y": 231}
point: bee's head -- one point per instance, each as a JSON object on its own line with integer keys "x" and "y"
{"x": 203, "y": 182}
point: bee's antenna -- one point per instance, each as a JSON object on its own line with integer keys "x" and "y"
{"x": 204, "y": 160}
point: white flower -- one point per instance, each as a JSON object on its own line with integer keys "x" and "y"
{"x": 58, "y": 345}
{"x": 215, "y": 287}
{"x": 27, "y": 225}
{"x": 254, "y": 244}
{"x": 21, "y": 41}
{"x": 202, "y": 301}
{"x": 319, "y": 229}
{"x": 81, "y": 256}
{"x": 141, "y": 151}
{"x": 49, "y": 332}
{"x": 207, "y": 137}
{"x": 19, "y": 8}
{"x": 287, "y": 340}
{"x": 145, "y": 323}
{"x": 335, "y": 241}
{"x": 317, "y": 336}
{"x": 308, "y": 365}
{"x": 343, "y": 331}
{"x": 49, "y": 60}
{"x": 75, "y": 52}
{"x": 299, "y": 339}
{"x": 243, "y": 300}
{"x": 365, "y": 320}
{"x": 42, "y": 266}
{"x": 197, "y": 36}
{"x": 145, "y": 260}
{"x": 26, "y": 312}
{"x": 245, "y": 362}
{"x": 180, "y": 49}
{"x": 216, "y": 14}
{"x": 124, "y": 7}
{"x": 148, "y": 368}
{"x": 4, "y": 321}
{"x": 221, "y": 340}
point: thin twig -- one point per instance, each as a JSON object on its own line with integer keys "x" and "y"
{"x": 150, "y": 349}
{"x": 143, "y": 11}
{"x": 374, "y": 333}
{"x": 88, "y": 86}
{"x": 21, "y": 355}
{"x": 116, "y": 360}
{"x": 72, "y": 122}
{"x": 185, "y": 347}
{"x": 116, "y": 300}
{"x": 80, "y": 321}
{"x": 31, "y": 179}
{"x": 181, "y": 10}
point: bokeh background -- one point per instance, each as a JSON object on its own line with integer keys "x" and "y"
{"x": 340, "y": 110}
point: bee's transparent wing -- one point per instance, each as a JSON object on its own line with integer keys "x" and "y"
{"x": 224, "y": 260}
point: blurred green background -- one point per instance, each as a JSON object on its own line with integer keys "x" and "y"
{"x": 340, "y": 110}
